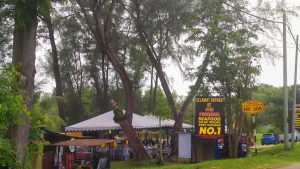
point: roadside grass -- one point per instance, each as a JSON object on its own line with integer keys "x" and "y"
{"x": 258, "y": 138}
{"x": 267, "y": 158}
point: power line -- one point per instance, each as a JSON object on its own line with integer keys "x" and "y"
{"x": 280, "y": 40}
{"x": 253, "y": 15}
{"x": 265, "y": 19}
{"x": 290, "y": 30}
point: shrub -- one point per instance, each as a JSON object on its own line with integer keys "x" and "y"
{"x": 8, "y": 158}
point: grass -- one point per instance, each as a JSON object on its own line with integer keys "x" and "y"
{"x": 267, "y": 158}
{"x": 258, "y": 138}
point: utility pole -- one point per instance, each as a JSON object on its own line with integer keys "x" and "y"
{"x": 254, "y": 132}
{"x": 285, "y": 92}
{"x": 295, "y": 97}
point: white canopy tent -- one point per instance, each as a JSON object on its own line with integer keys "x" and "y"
{"x": 105, "y": 122}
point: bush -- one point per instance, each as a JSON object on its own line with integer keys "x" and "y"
{"x": 8, "y": 158}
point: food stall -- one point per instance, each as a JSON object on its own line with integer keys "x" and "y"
{"x": 83, "y": 154}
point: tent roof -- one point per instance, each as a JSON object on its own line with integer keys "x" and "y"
{"x": 105, "y": 122}
{"x": 84, "y": 142}
{"x": 168, "y": 122}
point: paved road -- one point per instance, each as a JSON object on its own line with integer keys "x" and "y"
{"x": 293, "y": 166}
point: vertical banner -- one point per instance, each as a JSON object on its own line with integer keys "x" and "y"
{"x": 297, "y": 117}
{"x": 209, "y": 117}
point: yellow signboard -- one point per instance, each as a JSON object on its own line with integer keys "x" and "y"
{"x": 253, "y": 106}
{"x": 297, "y": 117}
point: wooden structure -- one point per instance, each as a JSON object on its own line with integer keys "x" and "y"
{"x": 203, "y": 150}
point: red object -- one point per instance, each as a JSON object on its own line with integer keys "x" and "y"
{"x": 244, "y": 139}
{"x": 69, "y": 161}
{"x": 81, "y": 156}
{"x": 48, "y": 160}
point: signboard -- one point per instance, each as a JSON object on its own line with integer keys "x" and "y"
{"x": 102, "y": 163}
{"x": 209, "y": 117}
{"x": 252, "y": 106}
{"x": 297, "y": 116}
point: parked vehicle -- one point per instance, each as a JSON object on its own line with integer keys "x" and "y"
{"x": 296, "y": 138}
{"x": 269, "y": 138}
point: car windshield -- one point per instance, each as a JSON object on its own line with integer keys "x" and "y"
{"x": 267, "y": 135}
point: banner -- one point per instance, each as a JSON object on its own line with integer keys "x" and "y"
{"x": 209, "y": 117}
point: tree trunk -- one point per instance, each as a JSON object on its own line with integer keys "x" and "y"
{"x": 139, "y": 153}
{"x": 24, "y": 46}
{"x": 58, "y": 80}
{"x": 150, "y": 110}
{"x": 95, "y": 76}
{"x": 153, "y": 107}
{"x": 105, "y": 82}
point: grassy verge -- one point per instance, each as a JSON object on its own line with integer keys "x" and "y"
{"x": 270, "y": 157}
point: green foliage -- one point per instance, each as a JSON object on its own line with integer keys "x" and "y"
{"x": 11, "y": 98}
{"x": 118, "y": 115}
{"x": 161, "y": 105}
{"x": 25, "y": 13}
{"x": 45, "y": 113}
{"x": 34, "y": 150}
{"x": 270, "y": 128}
{"x": 272, "y": 98}
{"x": 44, "y": 7}
{"x": 8, "y": 155}
{"x": 162, "y": 108}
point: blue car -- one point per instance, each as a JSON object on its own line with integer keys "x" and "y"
{"x": 269, "y": 138}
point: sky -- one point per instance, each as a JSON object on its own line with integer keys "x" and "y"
{"x": 272, "y": 72}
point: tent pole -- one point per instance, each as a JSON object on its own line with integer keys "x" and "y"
{"x": 160, "y": 144}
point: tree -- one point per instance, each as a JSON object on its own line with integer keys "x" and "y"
{"x": 12, "y": 103}
{"x": 173, "y": 24}
{"x": 55, "y": 66}
{"x": 24, "y": 46}
{"x": 73, "y": 67}
{"x": 99, "y": 24}
{"x": 234, "y": 62}
{"x": 11, "y": 98}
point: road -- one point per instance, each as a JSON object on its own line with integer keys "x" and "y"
{"x": 293, "y": 166}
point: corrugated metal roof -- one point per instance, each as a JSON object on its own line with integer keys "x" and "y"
{"x": 84, "y": 142}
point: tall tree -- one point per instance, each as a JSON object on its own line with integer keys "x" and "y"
{"x": 172, "y": 23}
{"x": 99, "y": 24}
{"x": 24, "y": 46}
{"x": 234, "y": 65}
{"x": 55, "y": 66}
